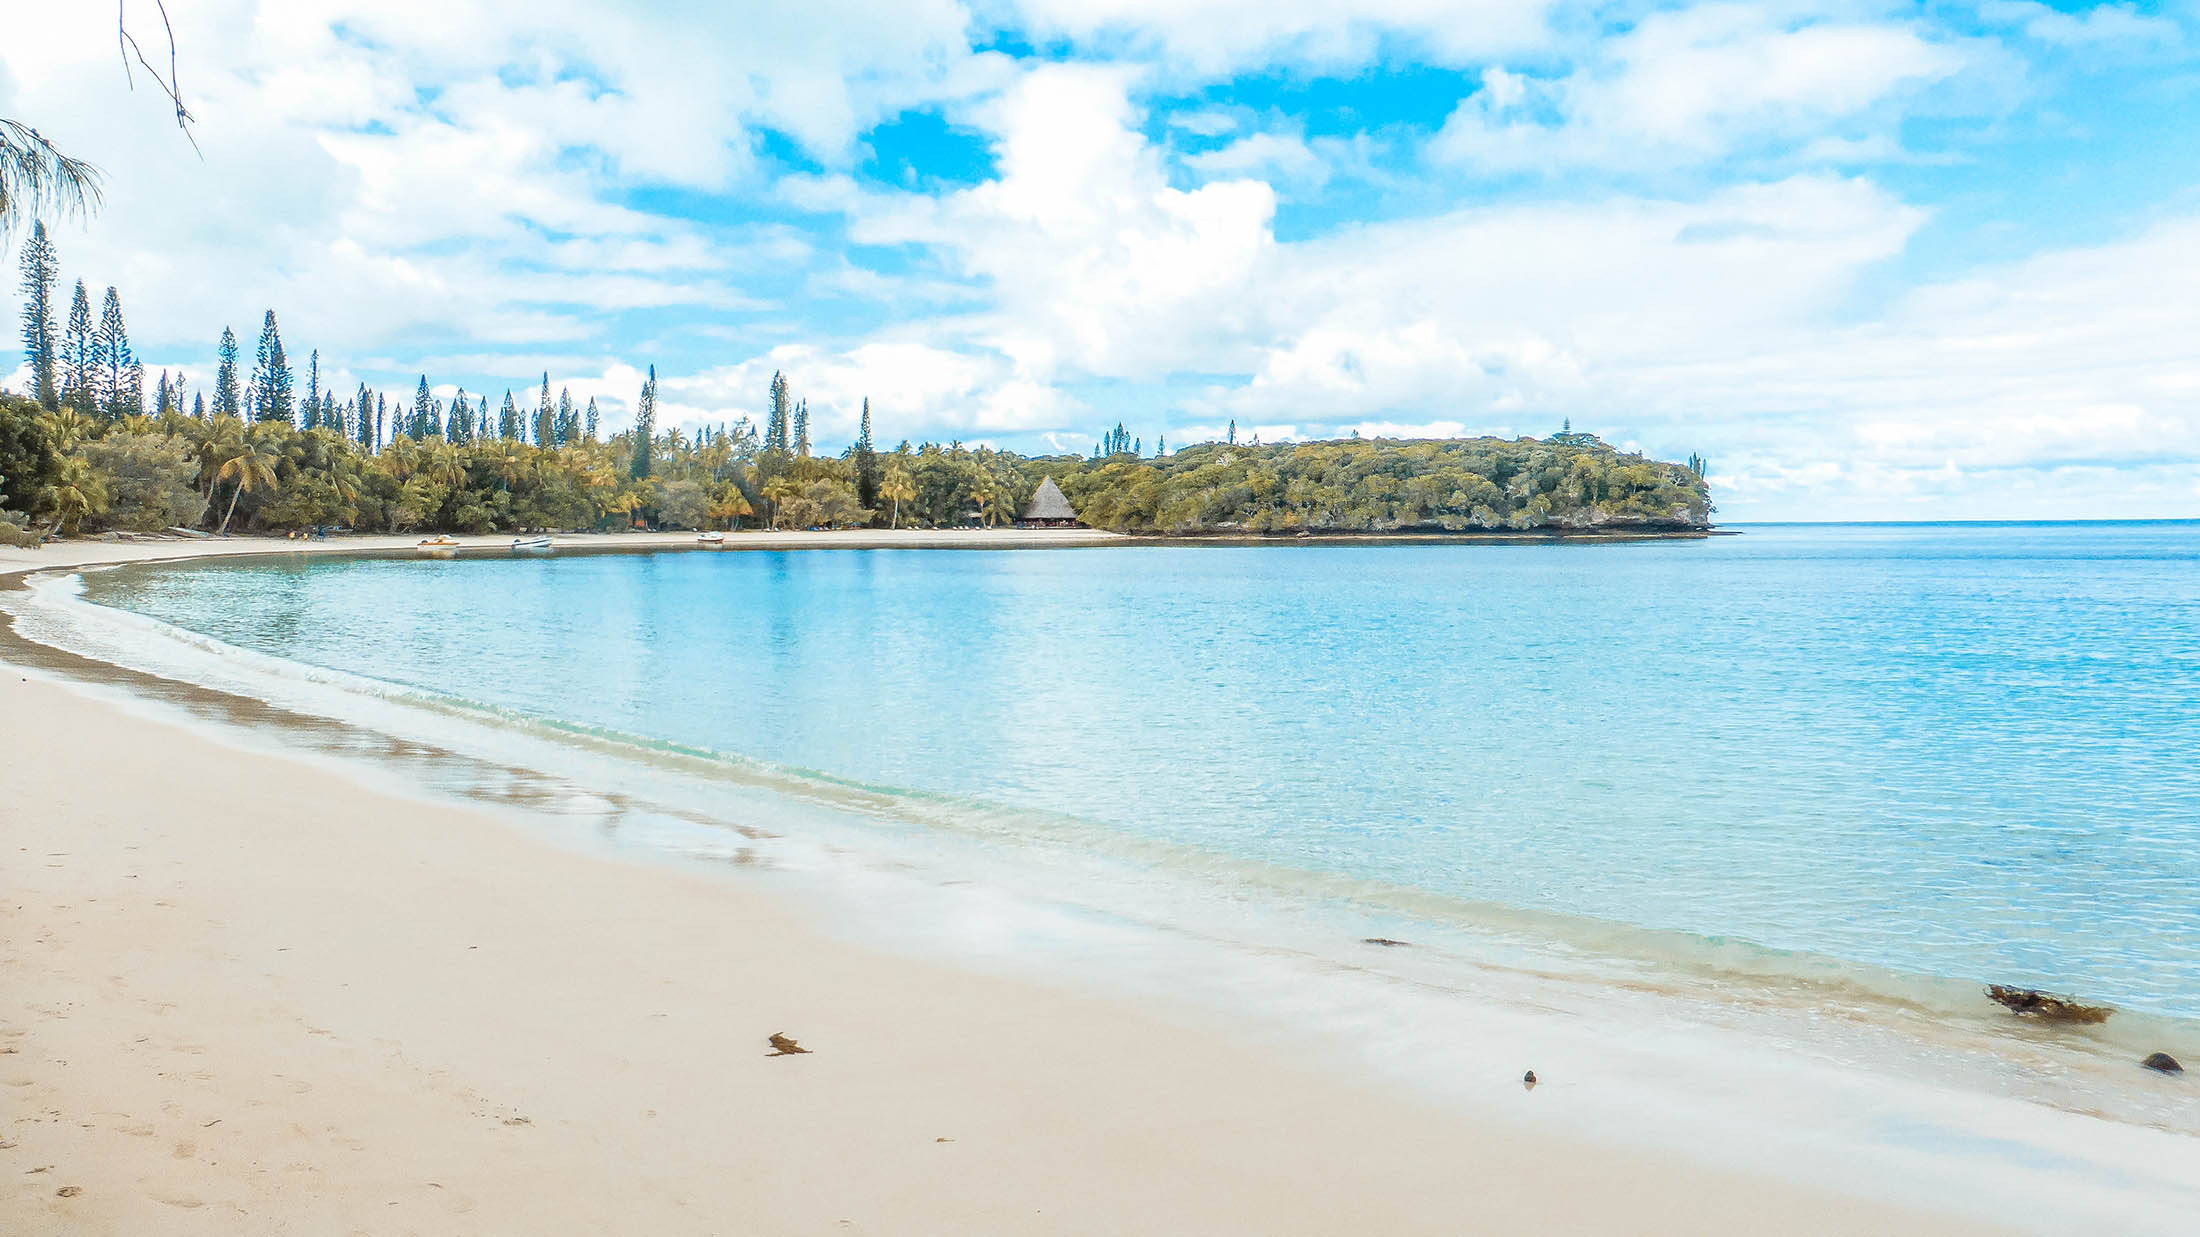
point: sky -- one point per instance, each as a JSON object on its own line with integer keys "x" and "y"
{"x": 1873, "y": 261}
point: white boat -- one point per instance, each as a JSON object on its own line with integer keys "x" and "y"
{"x": 438, "y": 546}
{"x": 716, "y": 541}
{"x": 531, "y": 545}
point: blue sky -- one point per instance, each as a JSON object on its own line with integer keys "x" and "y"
{"x": 1873, "y": 260}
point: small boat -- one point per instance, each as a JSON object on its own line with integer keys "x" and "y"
{"x": 531, "y": 545}
{"x": 438, "y": 546}
{"x": 716, "y": 541}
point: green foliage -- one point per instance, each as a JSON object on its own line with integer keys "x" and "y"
{"x": 682, "y": 504}
{"x": 28, "y": 459}
{"x": 149, "y": 479}
{"x": 14, "y": 532}
{"x": 1460, "y": 485}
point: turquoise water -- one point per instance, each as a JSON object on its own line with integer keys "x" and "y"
{"x": 1959, "y": 751}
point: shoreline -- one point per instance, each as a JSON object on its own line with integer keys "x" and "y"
{"x": 118, "y": 548}
{"x": 1484, "y": 1132}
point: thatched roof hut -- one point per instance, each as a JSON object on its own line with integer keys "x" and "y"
{"x": 1048, "y": 508}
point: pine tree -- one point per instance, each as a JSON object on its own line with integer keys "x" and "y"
{"x": 79, "y": 364}
{"x": 198, "y": 406}
{"x": 775, "y": 427}
{"x": 416, "y": 425}
{"x": 130, "y": 396}
{"x": 508, "y": 418}
{"x": 381, "y": 418}
{"x": 866, "y": 462}
{"x": 271, "y": 378}
{"x": 112, "y": 349}
{"x": 545, "y": 414}
{"x": 40, "y": 268}
{"x": 164, "y": 398}
{"x": 645, "y": 426}
{"x": 568, "y": 422}
{"x": 1161, "y": 447}
{"x": 1233, "y": 432}
{"x": 226, "y": 402}
{"x": 588, "y": 427}
{"x": 176, "y": 387}
{"x": 311, "y": 416}
{"x": 363, "y": 428}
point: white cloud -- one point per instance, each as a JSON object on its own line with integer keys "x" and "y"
{"x": 1277, "y": 157}
{"x": 1691, "y": 86}
{"x": 1215, "y": 36}
{"x": 2101, "y": 26}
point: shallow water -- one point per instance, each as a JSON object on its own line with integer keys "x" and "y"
{"x": 1955, "y": 751}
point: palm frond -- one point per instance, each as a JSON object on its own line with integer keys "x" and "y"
{"x": 36, "y": 177}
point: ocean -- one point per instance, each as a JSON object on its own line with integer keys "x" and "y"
{"x": 1952, "y": 750}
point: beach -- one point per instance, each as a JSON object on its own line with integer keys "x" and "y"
{"x": 251, "y": 992}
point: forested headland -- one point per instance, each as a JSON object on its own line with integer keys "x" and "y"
{"x": 271, "y": 449}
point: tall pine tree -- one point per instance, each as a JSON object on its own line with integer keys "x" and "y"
{"x": 545, "y": 416}
{"x": 568, "y": 424}
{"x": 645, "y": 426}
{"x": 79, "y": 367}
{"x": 271, "y": 378}
{"x": 867, "y": 477}
{"x": 227, "y": 396}
{"x": 775, "y": 424}
{"x": 508, "y": 419}
{"x": 40, "y": 268}
{"x": 111, "y": 351}
{"x": 311, "y": 412}
{"x": 363, "y": 427}
{"x": 802, "y": 429}
{"x": 588, "y": 427}
{"x": 416, "y": 427}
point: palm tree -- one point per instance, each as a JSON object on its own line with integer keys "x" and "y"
{"x": 778, "y": 492}
{"x": 77, "y": 492}
{"x": 731, "y": 505}
{"x": 898, "y": 488}
{"x": 251, "y": 468}
{"x": 69, "y": 428}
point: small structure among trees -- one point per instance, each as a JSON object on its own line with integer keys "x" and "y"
{"x": 1048, "y": 508}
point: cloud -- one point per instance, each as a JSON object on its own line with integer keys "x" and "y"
{"x": 1693, "y": 86}
{"x": 957, "y": 393}
{"x": 1276, "y": 157}
{"x": 1214, "y": 37}
{"x": 2102, "y": 26}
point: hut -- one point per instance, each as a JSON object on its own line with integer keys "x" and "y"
{"x": 1048, "y": 509}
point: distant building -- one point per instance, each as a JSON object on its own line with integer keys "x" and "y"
{"x": 1048, "y": 508}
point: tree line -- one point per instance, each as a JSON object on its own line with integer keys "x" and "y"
{"x": 84, "y": 451}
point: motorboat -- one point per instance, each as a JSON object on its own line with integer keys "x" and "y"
{"x": 531, "y": 545}
{"x": 711, "y": 540}
{"x": 438, "y": 546}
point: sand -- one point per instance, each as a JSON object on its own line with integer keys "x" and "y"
{"x": 241, "y": 992}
